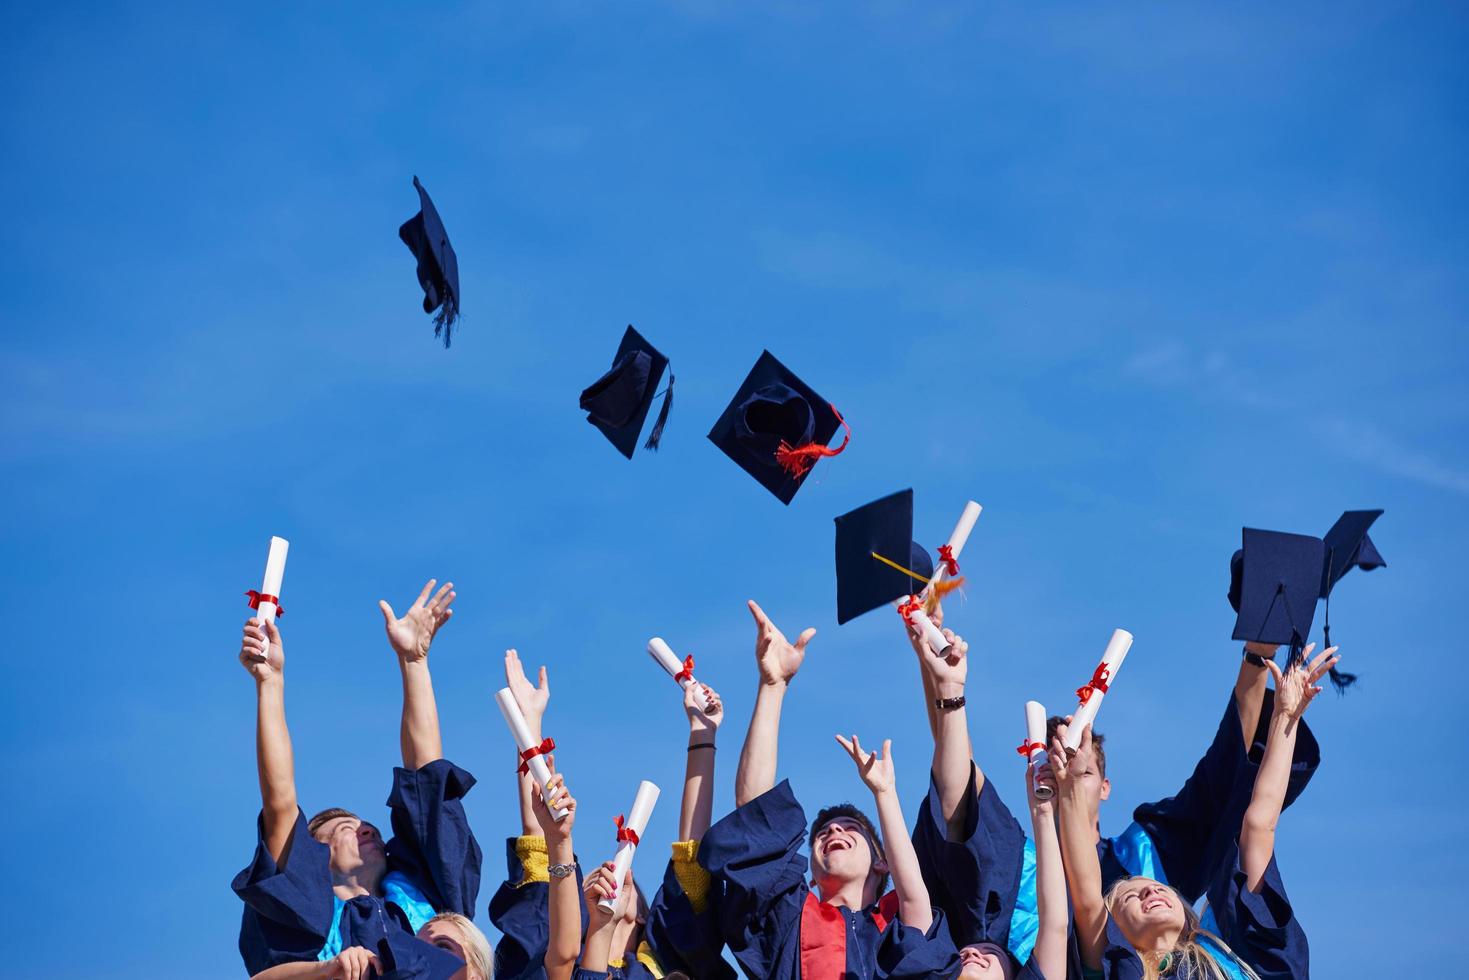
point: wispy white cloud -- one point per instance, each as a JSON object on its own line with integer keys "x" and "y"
{"x": 1371, "y": 446}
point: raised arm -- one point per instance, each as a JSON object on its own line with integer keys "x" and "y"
{"x": 533, "y": 699}
{"x": 1249, "y": 689}
{"x": 953, "y": 755}
{"x": 705, "y": 713}
{"x": 1050, "y": 883}
{"x": 1078, "y": 833}
{"x": 264, "y": 656}
{"x": 914, "y": 907}
{"x": 778, "y": 660}
{"x": 562, "y": 909}
{"x": 1294, "y": 692}
{"x": 410, "y": 638}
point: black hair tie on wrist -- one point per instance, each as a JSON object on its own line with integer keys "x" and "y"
{"x": 703, "y": 745}
{"x": 1254, "y": 659}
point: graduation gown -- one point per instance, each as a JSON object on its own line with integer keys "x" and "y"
{"x": 518, "y": 910}
{"x": 776, "y": 927}
{"x": 682, "y": 931}
{"x": 1260, "y": 928}
{"x": 976, "y": 879}
{"x": 433, "y": 865}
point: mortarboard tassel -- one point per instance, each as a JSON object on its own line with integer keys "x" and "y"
{"x": 656, "y": 435}
{"x": 1340, "y": 679}
{"x": 798, "y": 460}
{"x": 447, "y": 316}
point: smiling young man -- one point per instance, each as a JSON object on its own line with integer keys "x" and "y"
{"x": 841, "y": 924}
{"x": 329, "y": 890}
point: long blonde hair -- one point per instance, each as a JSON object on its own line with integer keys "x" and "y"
{"x": 1189, "y": 956}
{"x": 476, "y": 946}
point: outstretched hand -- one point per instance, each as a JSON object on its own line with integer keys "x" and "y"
{"x": 411, "y": 635}
{"x": 777, "y": 657}
{"x": 1296, "y": 688}
{"x": 531, "y": 698}
{"x": 949, "y": 671}
{"x": 261, "y": 651}
{"x": 875, "y": 769}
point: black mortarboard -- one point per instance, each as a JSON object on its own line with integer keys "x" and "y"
{"x": 438, "y": 266}
{"x": 618, "y": 401}
{"x": 880, "y": 530}
{"x": 1348, "y": 547}
{"x": 776, "y": 427}
{"x": 1278, "y": 577}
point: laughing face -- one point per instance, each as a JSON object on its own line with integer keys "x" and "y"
{"x": 840, "y": 851}
{"x": 1145, "y": 909}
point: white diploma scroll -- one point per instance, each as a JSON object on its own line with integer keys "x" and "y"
{"x": 275, "y": 571}
{"x": 520, "y": 731}
{"x": 637, "y": 822}
{"x": 931, "y": 633}
{"x": 1035, "y": 743}
{"x": 1106, "y": 674}
{"x": 668, "y": 660}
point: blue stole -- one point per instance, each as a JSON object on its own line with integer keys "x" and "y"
{"x": 399, "y": 890}
{"x": 1135, "y": 851}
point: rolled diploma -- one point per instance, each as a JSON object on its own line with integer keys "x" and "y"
{"x": 666, "y": 659}
{"x": 931, "y": 633}
{"x": 1086, "y": 713}
{"x": 521, "y": 733}
{"x": 275, "y": 572}
{"x": 637, "y": 822}
{"x": 1035, "y": 734}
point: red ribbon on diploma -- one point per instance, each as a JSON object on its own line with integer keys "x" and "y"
{"x": 1026, "y": 747}
{"x": 687, "y": 674}
{"x": 907, "y": 609}
{"x": 625, "y": 834}
{"x": 256, "y": 598}
{"x": 547, "y": 745}
{"x": 1099, "y": 680}
{"x": 946, "y": 555}
{"x": 798, "y": 460}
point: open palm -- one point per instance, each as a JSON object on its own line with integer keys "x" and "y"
{"x": 411, "y": 635}
{"x": 778, "y": 658}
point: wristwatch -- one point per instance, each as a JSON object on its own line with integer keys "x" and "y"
{"x": 561, "y": 870}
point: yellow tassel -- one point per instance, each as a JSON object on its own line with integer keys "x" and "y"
{"x": 892, "y": 564}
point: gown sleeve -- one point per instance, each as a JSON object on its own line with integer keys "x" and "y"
{"x": 289, "y": 906}
{"x": 1193, "y": 828}
{"x": 519, "y": 910}
{"x": 973, "y": 880}
{"x": 906, "y": 953}
{"x": 1260, "y": 927}
{"x": 682, "y": 930}
{"x": 432, "y": 842}
{"x": 758, "y": 877}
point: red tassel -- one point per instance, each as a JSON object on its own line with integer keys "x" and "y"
{"x": 798, "y": 460}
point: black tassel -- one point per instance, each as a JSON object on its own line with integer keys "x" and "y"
{"x": 656, "y": 436}
{"x": 447, "y": 316}
{"x": 1341, "y": 680}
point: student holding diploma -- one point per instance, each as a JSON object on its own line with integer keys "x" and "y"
{"x": 1140, "y": 928}
{"x": 328, "y": 890}
{"x": 972, "y": 852}
{"x": 773, "y": 921}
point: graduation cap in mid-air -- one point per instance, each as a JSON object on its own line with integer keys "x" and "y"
{"x": 776, "y": 428}
{"x": 438, "y": 266}
{"x": 1276, "y": 580}
{"x": 618, "y": 402}
{"x": 878, "y": 561}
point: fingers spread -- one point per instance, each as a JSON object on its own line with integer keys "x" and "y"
{"x": 423, "y": 596}
{"x": 761, "y": 619}
{"x": 805, "y": 637}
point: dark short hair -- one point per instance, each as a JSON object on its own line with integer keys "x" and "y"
{"x": 330, "y": 813}
{"x": 850, "y": 812}
{"x": 1097, "y": 739}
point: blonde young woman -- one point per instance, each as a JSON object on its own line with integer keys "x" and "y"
{"x": 1143, "y": 929}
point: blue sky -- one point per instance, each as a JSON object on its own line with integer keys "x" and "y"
{"x": 1130, "y": 277}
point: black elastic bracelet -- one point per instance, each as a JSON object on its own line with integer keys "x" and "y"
{"x": 1254, "y": 659}
{"x": 703, "y": 745}
{"x": 949, "y": 704}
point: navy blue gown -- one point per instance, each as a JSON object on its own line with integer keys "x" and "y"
{"x": 1260, "y": 928}
{"x": 975, "y": 880}
{"x": 773, "y": 923}
{"x": 291, "y": 914}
